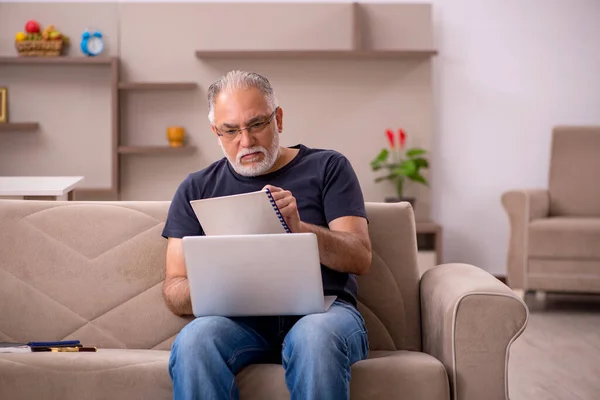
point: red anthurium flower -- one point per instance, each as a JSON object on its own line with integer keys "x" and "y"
{"x": 402, "y": 138}
{"x": 390, "y": 137}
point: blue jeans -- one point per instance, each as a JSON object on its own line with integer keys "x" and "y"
{"x": 316, "y": 351}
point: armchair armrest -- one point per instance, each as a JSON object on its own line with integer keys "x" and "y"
{"x": 522, "y": 207}
{"x": 470, "y": 319}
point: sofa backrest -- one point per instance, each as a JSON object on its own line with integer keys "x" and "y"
{"x": 93, "y": 271}
{"x": 87, "y": 271}
{"x": 575, "y": 171}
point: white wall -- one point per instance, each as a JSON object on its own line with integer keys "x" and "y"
{"x": 508, "y": 71}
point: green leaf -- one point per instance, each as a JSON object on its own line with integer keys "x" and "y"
{"x": 421, "y": 162}
{"x": 387, "y": 177}
{"x": 415, "y": 152}
{"x": 407, "y": 168}
{"x": 419, "y": 178}
{"x": 381, "y": 158}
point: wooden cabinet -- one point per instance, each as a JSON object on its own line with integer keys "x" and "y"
{"x": 429, "y": 243}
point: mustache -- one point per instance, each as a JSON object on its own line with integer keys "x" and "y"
{"x": 250, "y": 150}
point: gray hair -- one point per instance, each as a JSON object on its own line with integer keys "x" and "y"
{"x": 235, "y": 80}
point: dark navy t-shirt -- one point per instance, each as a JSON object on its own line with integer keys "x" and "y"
{"x": 322, "y": 181}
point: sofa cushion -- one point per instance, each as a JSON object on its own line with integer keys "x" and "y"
{"x": 108, "y": 374}
{"x": 565, "y": 237}
{"x": 143, "y": 374}
{"x": 385, "y": 375}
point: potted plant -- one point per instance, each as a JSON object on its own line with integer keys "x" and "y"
{"x": 400, "y": 164}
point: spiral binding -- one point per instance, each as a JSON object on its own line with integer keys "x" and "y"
{"x": 281, "y": 219}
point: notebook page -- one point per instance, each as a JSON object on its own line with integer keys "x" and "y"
{"x": 240, "y": 214}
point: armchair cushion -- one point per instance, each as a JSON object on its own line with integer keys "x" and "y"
{"x": 574, "y": 167}
{"x": 565, "y": 237}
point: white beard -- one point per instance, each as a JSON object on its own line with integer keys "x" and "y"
{"x": 270, "y": 157}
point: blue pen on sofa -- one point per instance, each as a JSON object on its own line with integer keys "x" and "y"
{"x": 64, "y": 343}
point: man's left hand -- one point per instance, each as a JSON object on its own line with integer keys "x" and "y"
{"x": 286, "y": 202}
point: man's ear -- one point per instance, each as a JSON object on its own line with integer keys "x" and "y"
{"x": 279, "y": 118}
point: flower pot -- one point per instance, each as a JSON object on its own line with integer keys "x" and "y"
{"x": 176, "y": 136}
{"x": 396, "y": 199}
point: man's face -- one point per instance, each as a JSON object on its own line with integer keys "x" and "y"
{"x": 250, "y": 153}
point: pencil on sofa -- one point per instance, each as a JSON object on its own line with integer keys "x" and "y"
{"x": 72, "y": 349}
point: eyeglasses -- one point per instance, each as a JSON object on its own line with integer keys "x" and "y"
{"x": 258, "y": 127}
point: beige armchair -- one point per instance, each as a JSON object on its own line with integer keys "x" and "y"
{"x": 555, "y": 233}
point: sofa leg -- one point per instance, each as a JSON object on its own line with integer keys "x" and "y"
{"x": 540, "y": 295}
{"x": 520, "y": 293}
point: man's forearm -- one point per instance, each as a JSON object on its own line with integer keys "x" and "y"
{"x": 341, "y": 251}
{"x": 176, "y": 293}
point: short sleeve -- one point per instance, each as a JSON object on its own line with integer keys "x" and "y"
{"x": 181, "y": 219}
{"x": 342, "y": 195}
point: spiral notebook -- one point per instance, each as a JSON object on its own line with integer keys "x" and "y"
{"x": 240, "y": 214}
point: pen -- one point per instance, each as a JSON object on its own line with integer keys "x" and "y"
{"x": 71, "y": 349}
{"x": 63, "y": 343}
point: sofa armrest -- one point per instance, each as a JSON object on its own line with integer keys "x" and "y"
{"x": 522, "y": 207}
{"x": 469, "y": 321}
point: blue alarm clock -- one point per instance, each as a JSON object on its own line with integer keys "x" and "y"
{"x": 92, "y": 43}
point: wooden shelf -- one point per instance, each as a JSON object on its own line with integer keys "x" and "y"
{"x": 19, "y": 126}
{"x": 58, "y": 60}
{"x": 156, "y": 150}
{"x": 157, "y": 85}
{"x": 312, "y": 54}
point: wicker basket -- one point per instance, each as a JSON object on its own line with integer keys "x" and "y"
{"x": 37, "y": 48}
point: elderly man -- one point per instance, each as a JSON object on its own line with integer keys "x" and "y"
{"x": 317, "y": 191}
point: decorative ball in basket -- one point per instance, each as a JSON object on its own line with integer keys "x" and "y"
{"x": 35, "y": 42}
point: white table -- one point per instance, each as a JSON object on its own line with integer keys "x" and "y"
{"x": 39, "y": 187}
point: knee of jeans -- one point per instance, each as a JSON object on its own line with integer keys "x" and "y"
{"x": 312, "y": 336}
{"x": 198, "y": 333}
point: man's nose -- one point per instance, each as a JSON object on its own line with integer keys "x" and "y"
{"x": 246, "y": 139}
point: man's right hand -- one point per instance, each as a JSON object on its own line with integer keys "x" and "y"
{"x": 286, "y": 202}
{"x": 176, "y": 290}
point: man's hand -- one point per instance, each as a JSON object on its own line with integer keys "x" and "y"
{"x": 286, "y": 202}
{"x": 344, "y": 247}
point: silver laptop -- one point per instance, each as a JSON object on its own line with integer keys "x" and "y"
{"x": 255, "y": 275}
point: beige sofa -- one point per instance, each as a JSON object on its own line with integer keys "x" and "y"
{"x": 555, "y": 232}
{"x": 93, "y": 271}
